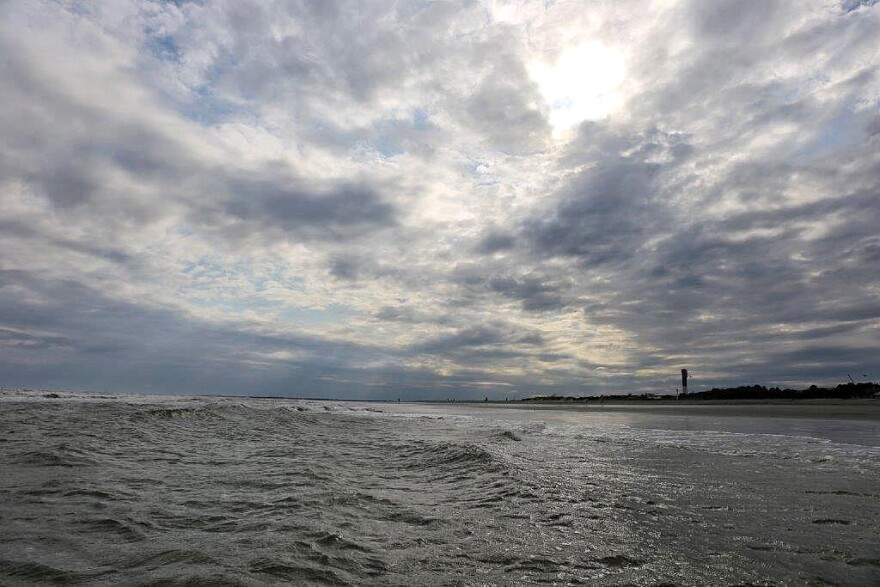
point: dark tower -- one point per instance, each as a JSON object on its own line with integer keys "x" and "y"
{"x": 684, "y": 381}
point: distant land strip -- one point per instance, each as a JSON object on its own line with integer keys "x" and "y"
{"x": 746, "y": 392}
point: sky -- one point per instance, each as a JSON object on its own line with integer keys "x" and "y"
{"x": 433, "y": 200}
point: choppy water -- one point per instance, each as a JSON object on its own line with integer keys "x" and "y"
{"x": 198, "y": 490}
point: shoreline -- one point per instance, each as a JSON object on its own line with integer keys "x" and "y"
{"x": 820, "y": 409}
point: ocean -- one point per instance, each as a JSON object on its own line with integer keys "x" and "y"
{"x": 113, "y": 489}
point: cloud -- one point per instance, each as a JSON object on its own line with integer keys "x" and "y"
{"x": 86, "y": 339}
{"x": 606, "y": 211}
{"x": 533, "y": 292}
{"x": 337, "y": 213}
{"x": 371, "y": 201}
{"x": 466, "y": 339}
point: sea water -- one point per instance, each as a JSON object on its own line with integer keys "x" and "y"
{"x": 133, "y": 490}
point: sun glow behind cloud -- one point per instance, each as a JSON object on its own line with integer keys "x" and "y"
{"x": 364, "y": 201}
{"x": 582, "y": 84}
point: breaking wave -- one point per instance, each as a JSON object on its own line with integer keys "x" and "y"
{"x": 211, "y": 491}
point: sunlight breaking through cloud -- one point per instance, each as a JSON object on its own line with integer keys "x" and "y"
{"x": 412, "y": 199}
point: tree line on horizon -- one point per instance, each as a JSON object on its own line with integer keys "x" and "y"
{"x": 744, "y": 392}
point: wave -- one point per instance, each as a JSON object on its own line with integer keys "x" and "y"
{"x": 297, "y": 573}
{"x": 448, "y": 455}
{"x": 199, "y": 491}
{"x": 508, "y": 435}
{"x": 170, "y": 557}
{"x": 112, "y": 526}
{"x": 20, "y": 571}
{"x": 58, "y": 457}
{"x": 201, "y": 413}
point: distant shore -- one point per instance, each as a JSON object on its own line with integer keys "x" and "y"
{"x": 824, "y": 409}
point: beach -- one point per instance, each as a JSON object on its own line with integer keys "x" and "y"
{"x": 849, "y": 409}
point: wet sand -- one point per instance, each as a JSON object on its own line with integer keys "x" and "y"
{"x": 854, "y": 409}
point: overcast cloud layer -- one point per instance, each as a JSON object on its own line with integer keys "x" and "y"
{"x": 438, "y": 199}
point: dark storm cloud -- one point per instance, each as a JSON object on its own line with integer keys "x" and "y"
{"x": 602, "y": 216}
{"x": 338, "y": 213}
{"x": 535, "y": 294}
{"x": 486, "y": 340}
{"x": 25, "y": 232}
{"x": 494, "y": 242}
{"x": 740, "y": 285}
{"x": 533, "y": 290}
{"x": 802, "y": 366}
{"x": 414, "y": 315}
{"x": 345, "y": 268}
{"x": 401, "y": 314}
{"x": 601, "y": 226}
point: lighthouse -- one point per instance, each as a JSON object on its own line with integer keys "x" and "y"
{"x": 684, "y": 381}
